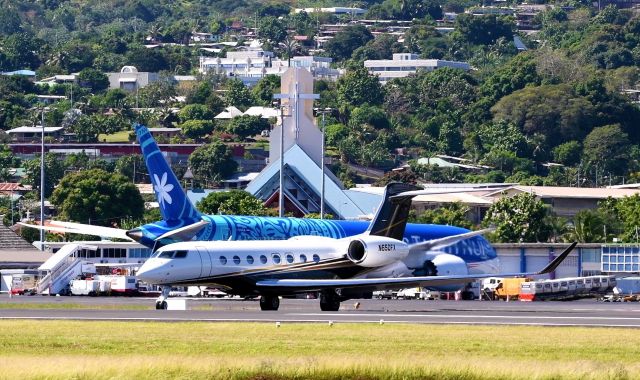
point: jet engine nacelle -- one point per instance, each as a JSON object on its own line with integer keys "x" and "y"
{"x": 376, "y": 251}
{"x": 449, "y": 265}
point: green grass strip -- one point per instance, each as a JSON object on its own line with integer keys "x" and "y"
{"x": 194, "y": 350}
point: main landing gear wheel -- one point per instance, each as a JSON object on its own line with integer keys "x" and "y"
{"x": 269, "y": 302}
{"x": 161, "y": 305}
{"x": 329, "y": 301}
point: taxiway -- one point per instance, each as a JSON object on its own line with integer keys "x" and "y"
{"x": 576, "y": 313}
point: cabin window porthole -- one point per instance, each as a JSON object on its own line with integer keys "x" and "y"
{"x": 250, "y": 259}
{"x": 316, "y": 258}
{"x": 223, "y": 260}
{"x": 236, "y": 260}
{"x": 303, "y": 258}
{"x": 263, "y": 259}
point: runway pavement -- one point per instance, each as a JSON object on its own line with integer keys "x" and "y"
{"x": 574, "y": 313}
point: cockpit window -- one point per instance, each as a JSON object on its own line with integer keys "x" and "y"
{"x": 166, "y": 255}
{"x": 180, "y": 254}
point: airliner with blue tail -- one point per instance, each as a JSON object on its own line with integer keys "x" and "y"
{"x": 470, "y": 255}
{"x": 456, "y": 251}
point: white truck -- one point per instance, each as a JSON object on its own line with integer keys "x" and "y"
{"x": 89, "y": 287}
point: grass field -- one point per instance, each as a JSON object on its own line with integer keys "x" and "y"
{"x": 149, "y": 350}
{"x": 122, "y": 136}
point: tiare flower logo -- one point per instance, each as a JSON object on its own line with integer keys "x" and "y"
{"x": 162, "y": 188}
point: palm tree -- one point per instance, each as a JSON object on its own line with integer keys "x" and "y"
{"x": 558, "y": 228}
{"x": 588, "y": 227}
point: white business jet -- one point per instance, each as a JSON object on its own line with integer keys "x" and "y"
{"x": 339, "y": 269}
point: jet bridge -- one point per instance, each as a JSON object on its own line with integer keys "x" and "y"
{"x": 63, "y": 267}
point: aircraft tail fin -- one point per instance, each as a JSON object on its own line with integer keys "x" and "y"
{"x": 173, "y": 201}
{"x": 392, "y": 215}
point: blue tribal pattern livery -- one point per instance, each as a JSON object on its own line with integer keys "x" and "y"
{"x": 227, "y": 227}
{"x": 175, "y": 207}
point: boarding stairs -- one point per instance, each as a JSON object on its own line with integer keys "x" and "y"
{"x": 61, "y": 268}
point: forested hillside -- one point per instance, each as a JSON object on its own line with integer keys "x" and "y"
{"x": 564, "y": 100}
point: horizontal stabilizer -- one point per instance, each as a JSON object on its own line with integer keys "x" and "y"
{"x": 82, "y": 229}
{"x": 446, "y": 241}
{"x": 395, "y": 282}
{"x": 185, "y": 233}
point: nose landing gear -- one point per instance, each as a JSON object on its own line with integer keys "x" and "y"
{"x": 161, "y": 302}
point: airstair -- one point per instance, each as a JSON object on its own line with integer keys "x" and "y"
{"x": 61, "y": 268}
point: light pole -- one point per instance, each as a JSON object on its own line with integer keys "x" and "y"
{"x": 42, "y": 182}
{"x": 322, "y": 111}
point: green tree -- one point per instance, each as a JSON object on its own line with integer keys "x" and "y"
{"x": 358, "y": 87}
{"x": 265, "y": 88}
{"x": 502, "y": 135}
{"x": 20, "y": 51}
{"x": 483, "y": 30}
{"x": 54, "y": 169}
{"x": 146, "y": 60}
{"x": 623, "y": 215}
{"x": 272, "y": 30}
{"x": 212, "y": 162}
{"x": 382, "y": 47}
{"x": 195, "y": 112}
{"x": 132, "y": 166}
{"x": 520, "y": 218}
{"x": 98, "y": 197}
{"x": 246, "y": 125}
{"x": 94, "y": 79}
{"x": 233, "y": 202}
{"x": 7, "y": 161}
{"x": 238, "y": 95}
{"x": 516, "y": 74}
{"x": 417, "y": 9}
{"x": 587, "y": 227}
{"x": 368, "y": 115}
{"x": 342, "y": 45}
{"x": 552, "y": 111}
{"x": 567, "y": 153}
{"x": 197, "y": 129}
{"x": 608, "y": 147}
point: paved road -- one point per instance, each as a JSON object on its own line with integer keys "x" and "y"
{"x": 576, "y": 313}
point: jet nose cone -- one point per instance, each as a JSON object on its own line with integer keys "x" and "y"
{"x": 148, "y": 273}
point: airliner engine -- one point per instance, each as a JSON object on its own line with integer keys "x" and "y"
{"x": 376, "y": 251}
{"x": 442, "y": 264}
